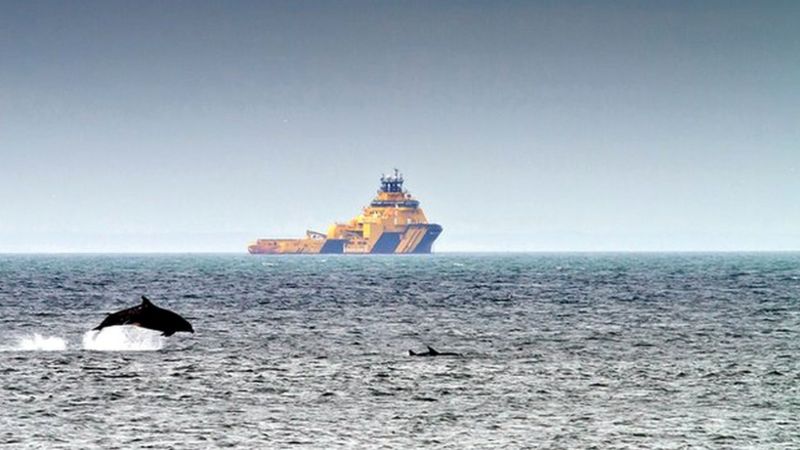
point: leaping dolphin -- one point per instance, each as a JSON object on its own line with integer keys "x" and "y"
{"x": 148, "y": 315}
{"x": 432, "y": 352}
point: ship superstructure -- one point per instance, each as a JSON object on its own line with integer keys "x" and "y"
{"x": 392, "y": 223}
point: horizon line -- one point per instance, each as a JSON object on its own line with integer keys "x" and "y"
{"x": 448, "y": 252}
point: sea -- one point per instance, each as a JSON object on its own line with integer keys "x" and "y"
{"x": 555, "y": 351}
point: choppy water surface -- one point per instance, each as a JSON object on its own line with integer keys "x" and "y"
{"x": 559, "y": 351}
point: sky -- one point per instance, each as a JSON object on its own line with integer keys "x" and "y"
{"x": 198, "y": 126}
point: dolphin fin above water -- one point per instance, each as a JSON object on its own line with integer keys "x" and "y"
{"x": 432, "y": 352}
{"x": 147, "y": 315}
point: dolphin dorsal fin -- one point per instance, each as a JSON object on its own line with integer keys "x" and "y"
{"x": 146, "y": 301}
{"x": 432, "y": 350}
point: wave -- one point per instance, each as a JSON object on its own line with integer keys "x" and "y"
{"x": 117, "y": 338}
{"x": 37, "y": 342}
{"x": 123, "y": 339}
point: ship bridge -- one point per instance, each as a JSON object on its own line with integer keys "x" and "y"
{"x": 392, "y": 195}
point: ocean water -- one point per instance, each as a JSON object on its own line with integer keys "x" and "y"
{"x": 561, "y": 351}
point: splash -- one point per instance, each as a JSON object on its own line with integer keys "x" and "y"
{"x": 37, "y": 342}
{"x": 123, "y": 338}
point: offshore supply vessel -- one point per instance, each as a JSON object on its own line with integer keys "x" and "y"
{"x": 392, "y": 223}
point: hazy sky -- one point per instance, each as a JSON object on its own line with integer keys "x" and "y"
{"x": 193, "y": 126}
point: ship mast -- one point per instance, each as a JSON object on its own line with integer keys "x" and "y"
{"x": 392, "y": 183}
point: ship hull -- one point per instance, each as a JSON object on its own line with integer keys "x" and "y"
{"x": 416, "y": 238}
{"x": 297, "y": 246}
{"x": 426, "y": 244}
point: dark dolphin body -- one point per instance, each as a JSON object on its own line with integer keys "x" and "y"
{"x": 432, "y": 352}
{"x": 148, "y": 315}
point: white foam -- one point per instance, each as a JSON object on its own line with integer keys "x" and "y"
{"x": 37, "y": 342}
{"x": 123, "y": 338}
